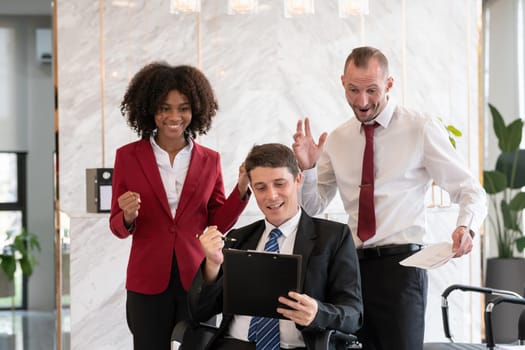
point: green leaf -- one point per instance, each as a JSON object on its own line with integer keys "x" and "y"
{"x": 509, "y": 162}
{"x": 513, "y": 136}
{"x": 452, "y": 129}
{"x": 494, "y": 181}
{"x": 9, "y": 234}
{"x": 34, "y": 243}
{"x": 19, "y": 245}
{"x": 518, "y": 202}
{"x": 8, "y": 264}
{"x": 498, "y": 124}
{"x": 27, "y": 266}
{"x": 509, "y": 221}
{"x": 520, "y": 243}
{"x": 452, "y": 141}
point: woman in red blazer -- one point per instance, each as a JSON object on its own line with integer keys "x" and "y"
{"x": 166, "y": 189}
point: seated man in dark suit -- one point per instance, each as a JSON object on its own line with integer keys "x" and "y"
{"x": 331, "y": 294}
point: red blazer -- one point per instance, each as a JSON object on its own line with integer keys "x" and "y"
{"x": 156, "y": 235}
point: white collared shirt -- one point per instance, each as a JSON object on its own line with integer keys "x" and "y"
{"x": 410, "y": 150}
{"x": 291, "y": 337}
{"x": 172, "y": 176}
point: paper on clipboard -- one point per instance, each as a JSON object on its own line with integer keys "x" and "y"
{"x": 431, "y": 257}
{"x": 254, "y": 280}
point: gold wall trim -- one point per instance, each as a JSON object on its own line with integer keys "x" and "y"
{"x": 58, "y": 239}
{"x": 481, "y": 83}
{"x": 403, "y": 52}
{"x": 102, "y": 82}
{"x": 469, "y": 84}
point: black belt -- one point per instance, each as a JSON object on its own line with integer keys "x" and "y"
{"x": 387, "y": 250}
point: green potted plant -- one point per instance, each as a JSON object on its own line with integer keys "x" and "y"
{"x": 18, "y": 250}
{"x": 504, "y": 221}
{"x": 503, "y": 185}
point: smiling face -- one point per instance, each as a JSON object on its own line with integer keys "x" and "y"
{"x": 173, "y": 117}
{"x": 366, "y": 89}
{"x": 275, "y": 190}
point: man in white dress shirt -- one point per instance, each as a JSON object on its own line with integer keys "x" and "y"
{"x": 410, "y": 151}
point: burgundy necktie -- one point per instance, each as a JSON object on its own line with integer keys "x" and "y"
{"x": 366, "y": 223}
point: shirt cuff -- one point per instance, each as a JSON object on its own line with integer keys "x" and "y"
{"x": 310, "y": 175}
{"x": 131, "y": 227}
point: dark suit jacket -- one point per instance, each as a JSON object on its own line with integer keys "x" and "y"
{"x": 330, "y": 274}
{"x": 157, "y": 235}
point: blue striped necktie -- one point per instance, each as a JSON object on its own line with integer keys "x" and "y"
{"x": 264, "y": 331}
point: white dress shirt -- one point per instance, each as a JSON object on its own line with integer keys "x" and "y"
{"x": 172, "y": 176}
{"x": 291, "y": 337}
{"x": 410, "y": 150}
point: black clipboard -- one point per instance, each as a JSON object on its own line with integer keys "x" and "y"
{"x": 253, "y": 281}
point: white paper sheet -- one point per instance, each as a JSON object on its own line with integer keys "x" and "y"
{"x": 430, "y": 257}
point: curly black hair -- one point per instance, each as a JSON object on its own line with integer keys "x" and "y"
{"x": 149, "y": 88}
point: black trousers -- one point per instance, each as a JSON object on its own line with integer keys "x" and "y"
{"x": 394, "y": 298}
{"x": 232, "y": 344}
{"x": 151, "y": 318}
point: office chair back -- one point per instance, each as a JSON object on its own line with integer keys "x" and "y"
{"x": 503, "y": 296}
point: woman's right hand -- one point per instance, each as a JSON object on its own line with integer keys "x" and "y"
{"x": 243, "y": 182}
{"x": 129, "y": 203}
{"x": 212, "y": 243}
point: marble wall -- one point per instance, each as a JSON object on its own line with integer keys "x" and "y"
{"x": 267, "y": 72}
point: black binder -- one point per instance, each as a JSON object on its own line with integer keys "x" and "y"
{"x": 253, "y": 281}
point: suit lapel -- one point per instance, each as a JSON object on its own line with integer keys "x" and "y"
{"x": 304, "y": 242}
{"x": 148, "y": 163}
{"x": 198, "y": 164}
{"x": 250, "y": 240}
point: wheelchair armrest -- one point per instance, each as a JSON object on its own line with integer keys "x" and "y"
{"x": 179, "y": 330}
{"x": 191, "y": 336}
{"x": 333, "y": 339}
